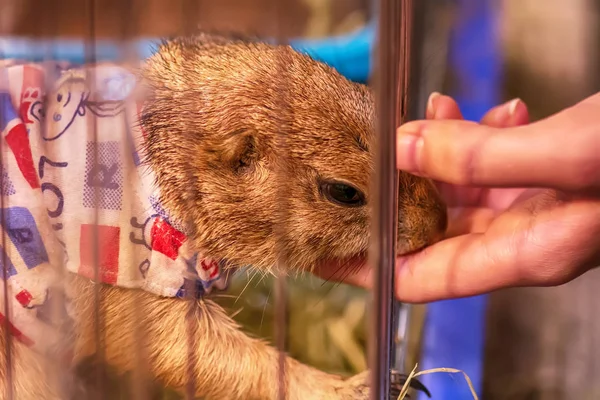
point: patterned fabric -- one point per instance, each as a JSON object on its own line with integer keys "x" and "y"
{"x": 60, "y": 175}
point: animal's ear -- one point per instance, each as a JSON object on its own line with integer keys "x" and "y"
{"x": 241, "y": 151}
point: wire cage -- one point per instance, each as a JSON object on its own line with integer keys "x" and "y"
{"x": 93, "y": 32}
{"x": 146, "y": 346}
{"x": 60, "y": 37}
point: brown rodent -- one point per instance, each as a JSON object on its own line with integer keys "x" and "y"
{"x": 225, "y": 177}
{"x": 249, "y": 195}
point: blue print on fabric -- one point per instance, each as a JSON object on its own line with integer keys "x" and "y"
{"x": 106, "y": 176}
{"x": 158, "y": 208}
{"x": 23, "y": 232}
{"x": 197, "y": 286}
{"x": 134, "y": 153}
{"x": 7, "y": 186}
{"x": 65, "y": 106}
{"x": 136, "y": 158}
{"x": 191, "y": 263}
{"x": 144, "y": 229}
{"x": 10, "y": 268}
{"x": 7, "y": 111}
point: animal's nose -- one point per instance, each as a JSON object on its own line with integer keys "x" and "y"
{"x": 422, "y": 216}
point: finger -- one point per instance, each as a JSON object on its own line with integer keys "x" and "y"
{"x": 442, "y": 107}
{"x": 512, "y": 113}
{"x": 469, "y": 220}
{"x": 458, "y": 265}
{"x": 353, "y": 271}
{"x": 509, "y": 114}
{"x": 543, "y": 243}
{"x": 449, "y": 269}
{"x": 561, "y": 152}
{"x": 467, "y": 196}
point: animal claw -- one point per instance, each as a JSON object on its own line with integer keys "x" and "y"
{"x": 398, "y": 381}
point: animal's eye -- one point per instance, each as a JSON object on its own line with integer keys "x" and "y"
{"x": 59, "y": 97}
{"x": 343, "y": 194}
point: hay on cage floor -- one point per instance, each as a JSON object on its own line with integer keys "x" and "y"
{"x": 414, "y": 374}
{"x": 327, "y": 325}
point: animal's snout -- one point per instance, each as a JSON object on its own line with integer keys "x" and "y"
{"x": 422, "y": 215}
{"x": 438, "y": 228}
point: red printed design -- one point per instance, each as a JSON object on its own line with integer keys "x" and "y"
{"x": 33, "y": 80}
{"x": 17, "y": 333}
{"x": 24, "y": 297}
{"x": 166, "y": 239}
{"x": 108, "y": 252}
{"x": 18, "y": 141}
{"x": 211, "y": 267}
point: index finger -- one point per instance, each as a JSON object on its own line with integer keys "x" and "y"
{"x": 561, "y": 152}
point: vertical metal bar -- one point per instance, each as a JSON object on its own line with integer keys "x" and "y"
{"x": 190, "y": 12}
{"x": 90, "y": 61}
{"x": 6, "y": 322}
{"x": 594, "y": 46}
{"x": 280, "y": 291}
{"x": 401, "y": 337}
{"x": 412, "y": 60}
{"x": 398, "y": 310}
{"x": 58, "y": 369}
{"x": 382, "y": 254}
{"x": 9, "y": 390}
{"x": 420, "y": 31}
{"x": 127, "y": 54}
{"x": 280, "y": 298}
{"x": 7, "y": 336}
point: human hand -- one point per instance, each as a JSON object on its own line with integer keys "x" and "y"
{"x": 544, "y": 234}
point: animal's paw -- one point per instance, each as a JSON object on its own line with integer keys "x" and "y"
{"x": 358, "y": 388}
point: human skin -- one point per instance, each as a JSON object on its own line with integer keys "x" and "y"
{"x": 524, "y": 200}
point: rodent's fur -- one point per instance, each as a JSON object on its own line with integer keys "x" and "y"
{"x": 240, "y": 134}
{"x": 246, "y": 116}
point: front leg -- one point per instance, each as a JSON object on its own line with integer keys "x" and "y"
{"x": 32, "y": 375}
{"x": 225, "y": 363}
{"x": 197, "y": 339}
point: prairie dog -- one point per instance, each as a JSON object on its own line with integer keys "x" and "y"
{"x": 230, "y": 187}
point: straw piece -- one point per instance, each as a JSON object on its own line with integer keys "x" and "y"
{"x": 414, "y": 374}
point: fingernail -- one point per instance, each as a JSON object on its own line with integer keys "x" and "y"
{"x": 431, "y": 104}
{"x": 512, "y": 107}
{"x": 409, "y": 147}
{"x": 507, "y": 111}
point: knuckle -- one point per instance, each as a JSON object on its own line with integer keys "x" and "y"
{"x": 464, "y": 155}
{"x": 551, "y": 269}
{"x": 549, "y": 274}
{"x": 584, "y": 160}
{"x": 464, "y": 167}
{"x": 445, "y": 154}
{"x": 586, "y": 173}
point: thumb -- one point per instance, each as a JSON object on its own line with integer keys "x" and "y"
{"x": 561, "y": 152}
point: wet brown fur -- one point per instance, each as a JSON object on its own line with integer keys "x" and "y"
{"x": 214, "y": 116}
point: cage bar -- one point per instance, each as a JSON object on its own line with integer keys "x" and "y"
{"x": 395, "y": 33}
{"x": 385, "y": 182}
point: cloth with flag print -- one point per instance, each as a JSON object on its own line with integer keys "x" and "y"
{"x": 71, "y": 157}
